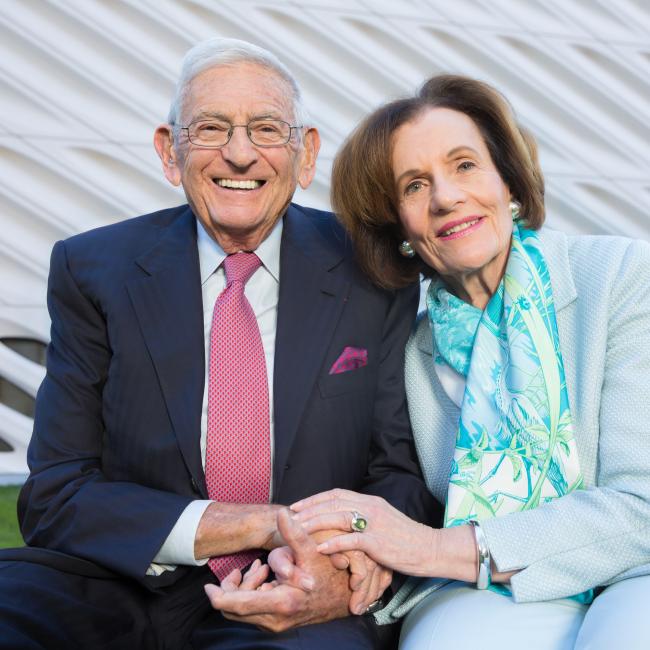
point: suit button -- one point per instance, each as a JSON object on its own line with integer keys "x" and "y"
{"x": 195, "y": 487}
{"x": 286, "y": 467}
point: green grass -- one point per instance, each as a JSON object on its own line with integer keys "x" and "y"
{"x": 9, "y": 534}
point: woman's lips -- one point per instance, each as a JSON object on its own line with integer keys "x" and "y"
{"x": 459, "y": 228}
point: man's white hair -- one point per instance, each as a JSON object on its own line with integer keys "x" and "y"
{"x": 215, "y": 52}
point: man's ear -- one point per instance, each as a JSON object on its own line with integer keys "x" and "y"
{"x": 163, "y": 141}
{"x": 311, "y": 140}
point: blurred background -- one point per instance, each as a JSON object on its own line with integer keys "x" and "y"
{"x": 83, "y": 84}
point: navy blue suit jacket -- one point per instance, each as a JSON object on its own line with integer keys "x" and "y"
{"x": 115, "y": 454}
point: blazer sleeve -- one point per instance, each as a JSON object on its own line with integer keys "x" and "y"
{"x": 393, "y": 471}
{"x": 601, "y": 534}
{"x": 67, "y": 503}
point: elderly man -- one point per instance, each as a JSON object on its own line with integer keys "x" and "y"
{"x": 207, "y": 364}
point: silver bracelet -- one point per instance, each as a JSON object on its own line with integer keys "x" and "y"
{"x": 484, "y": 574}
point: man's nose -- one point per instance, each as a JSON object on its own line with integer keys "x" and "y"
{"x": 240, "y": 151}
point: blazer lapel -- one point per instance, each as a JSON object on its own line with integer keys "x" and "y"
{"x": 312, "y": 294}
{"x": 556, "y": 253}
{"x": 168, "y": 305}
{"x": 434, "y": 417}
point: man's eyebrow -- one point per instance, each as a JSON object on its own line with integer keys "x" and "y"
{"x": 267, "y": 116}
{"x": 209, "y": 115}
{"x": 214, "y": 115}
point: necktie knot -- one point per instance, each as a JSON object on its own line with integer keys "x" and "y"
{"x": 240, "y": 266}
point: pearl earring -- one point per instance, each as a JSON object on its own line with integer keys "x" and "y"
{"x": 406, "y": 249}
{"x": 514, "y": 210}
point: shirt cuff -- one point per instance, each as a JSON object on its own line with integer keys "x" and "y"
{"x": 178, "y": 548}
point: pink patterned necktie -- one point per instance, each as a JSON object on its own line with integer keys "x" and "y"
{"x": 238, "y": 454}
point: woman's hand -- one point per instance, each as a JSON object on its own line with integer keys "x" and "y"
{"x": 391, "y": 539}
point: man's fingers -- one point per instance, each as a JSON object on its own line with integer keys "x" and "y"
{"x": 363, "y": 571}
{"x": 359, "y": 601}
{"x": 374, "y": 589}
{"x": 232, "y": 581}
{"x": 358, "y": 569}
{"x": 212, "y": 592}
{"x": 367, "y": 592}
{"x": 371, "y": 590}
{"x": 339, "y": 561}
{"x": 282, "y": 601}
{"x": 386, "y": 579}
{"x": 282, "y": 562}
{"x": 255, "y": 576}
{"x": 296, "y": 537}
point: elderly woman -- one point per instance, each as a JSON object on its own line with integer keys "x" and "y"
{"x": 527, "y": 381}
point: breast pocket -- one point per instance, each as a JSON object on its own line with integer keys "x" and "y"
{"x": 346, "y": 382}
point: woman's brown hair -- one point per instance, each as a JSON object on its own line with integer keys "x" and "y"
{"x": 363, "y": 185}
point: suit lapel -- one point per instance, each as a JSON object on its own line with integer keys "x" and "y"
{"x": 168, "y": 305}
{"x": 313, "y": 290}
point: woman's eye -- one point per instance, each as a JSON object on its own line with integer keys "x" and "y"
{"x": 413, "y": 187}
{"x": 466, "y": 165}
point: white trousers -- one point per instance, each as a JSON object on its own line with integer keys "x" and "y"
{"x": 459, "y": 617}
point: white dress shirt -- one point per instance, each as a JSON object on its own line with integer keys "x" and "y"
{"x": 262, "y": 291}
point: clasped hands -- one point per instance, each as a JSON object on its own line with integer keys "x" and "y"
{"x": 309, "y": 587}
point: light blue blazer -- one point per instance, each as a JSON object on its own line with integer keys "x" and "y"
{"x": 601, "y": 534}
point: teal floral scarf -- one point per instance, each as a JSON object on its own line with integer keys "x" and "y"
{"x": 515, "y": 446}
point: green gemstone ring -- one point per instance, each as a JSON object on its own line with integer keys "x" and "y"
{"x": 359, "y": 522}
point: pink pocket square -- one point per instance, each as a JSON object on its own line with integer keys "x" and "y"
{"x": 350, "y": 359}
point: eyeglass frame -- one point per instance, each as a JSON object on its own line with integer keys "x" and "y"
{"x": 232, "y": 128}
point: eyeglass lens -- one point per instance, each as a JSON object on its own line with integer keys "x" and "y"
{"x": 215, "y": 133}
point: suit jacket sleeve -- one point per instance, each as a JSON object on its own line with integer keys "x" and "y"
{"x": 599, "y": 534}
{"x": 67, "y": 503}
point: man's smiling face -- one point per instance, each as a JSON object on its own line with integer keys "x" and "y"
{"x": 239, "y": 191}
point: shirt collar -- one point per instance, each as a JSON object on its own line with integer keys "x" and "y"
{"x": 211, "y": 255}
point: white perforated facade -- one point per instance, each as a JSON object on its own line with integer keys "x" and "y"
{"x": 83, "y": 83}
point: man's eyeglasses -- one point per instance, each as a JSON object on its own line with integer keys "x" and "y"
{"x": 262, "y": 133}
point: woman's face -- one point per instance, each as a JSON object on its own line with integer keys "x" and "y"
{"x": 453, "y": 205}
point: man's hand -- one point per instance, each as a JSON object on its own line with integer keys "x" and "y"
{"x": 368, "y": 580}
{"x": 284, "y": 606}
{"x": 231, "y": 527}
